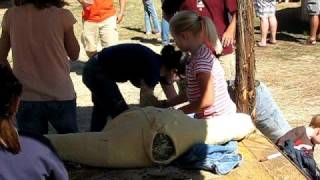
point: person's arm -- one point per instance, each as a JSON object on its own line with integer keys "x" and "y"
{"x": 169, "y": 90}
{"x": 120, "y": 15}
{"x": 229, "y": 35}
{"x": 83, "y": 3}
{"x": 205, "y": 80}
{"x": 172, "y": 97}
{"x": 71, "y": 44}
{"x": 4, "y": 48}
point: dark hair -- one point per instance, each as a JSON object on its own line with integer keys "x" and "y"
{"x": 171, "y": 6}
{"x": 41, "y": 4}
{"x": 10, "y": 89}
{"x": 172, "y": 59}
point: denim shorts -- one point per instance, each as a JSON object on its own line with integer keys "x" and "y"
{"x": 33, "y": 116}
{"x": 313, "y": 7}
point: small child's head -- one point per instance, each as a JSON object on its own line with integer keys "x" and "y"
{"x": 315, "y": 124}
{"x": 188, "y": 28}
{"x": 315, "y": 121}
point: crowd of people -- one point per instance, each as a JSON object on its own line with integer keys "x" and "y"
{"x": 41, "y": 35}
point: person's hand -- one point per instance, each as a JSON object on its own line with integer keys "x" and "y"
{"x": 119, "y": 17}
{"x": 227, "y": 38}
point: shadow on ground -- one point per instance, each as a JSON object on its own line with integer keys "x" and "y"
{"x": 153, "y": 41}
{"x": 155, "y": 173}
{"x": 134, "y": 29}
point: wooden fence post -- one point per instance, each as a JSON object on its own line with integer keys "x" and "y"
{"x": 245, "y": 60}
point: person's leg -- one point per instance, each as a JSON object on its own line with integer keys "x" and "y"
{"x": 63, "y": 116}
{"x": 106, "y": 96}
{"x": 153, "y": 13}
{"x": 314, "y": 24}
{"x": 273, "y": 28}
{"x": 165, "y": 37}
{"x": 264, "y": 27}
{"x": 108, "y": 32}
{"x": 269, "y": 117}
{"x": 146, "y": 17}
{"x": 30, "y": 117}
{"x": 89, "y": 37}
{"x": 313, "y": 10}
{"x": 318, "y": 31}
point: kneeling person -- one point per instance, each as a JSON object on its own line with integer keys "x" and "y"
{"x": 126, "y": 62}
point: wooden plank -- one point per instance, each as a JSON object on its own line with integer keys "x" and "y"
{"x": 279, "y": 168}
{"x": 253, "y": 148}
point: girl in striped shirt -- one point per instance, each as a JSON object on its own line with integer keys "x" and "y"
{"x": 206, "y": 86}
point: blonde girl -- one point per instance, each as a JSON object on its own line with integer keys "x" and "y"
{"x": 206, "y": 86}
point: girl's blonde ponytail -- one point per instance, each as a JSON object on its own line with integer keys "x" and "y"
{"x": 200, "y": 26}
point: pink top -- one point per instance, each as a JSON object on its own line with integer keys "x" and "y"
{"x": 40, "y": 60}
{"x": 204, "y": 61}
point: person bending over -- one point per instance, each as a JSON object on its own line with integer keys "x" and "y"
{"x": 127, "y": 62}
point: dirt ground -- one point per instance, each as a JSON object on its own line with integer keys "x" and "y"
{"x": 289, "y": 68}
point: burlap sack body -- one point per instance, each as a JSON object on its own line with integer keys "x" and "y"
{"x": 127, "y": 140}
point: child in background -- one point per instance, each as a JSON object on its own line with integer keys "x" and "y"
{"x": 150, "y": 13}
{"x": 23, "y": 155}
{"x": 206, "y": 86}
{"x": 303, "y": 137}
{"x": 266, "y": 11}
{"x": 298, "y": 144}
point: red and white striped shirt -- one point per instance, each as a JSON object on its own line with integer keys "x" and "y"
{"x": 204, "y": 61}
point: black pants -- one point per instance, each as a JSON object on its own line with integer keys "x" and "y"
{"x": 106, "y": 96}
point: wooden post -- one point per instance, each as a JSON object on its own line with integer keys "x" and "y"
{"x": 245, "y": 60}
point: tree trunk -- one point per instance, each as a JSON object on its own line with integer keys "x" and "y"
{"x": 245, "y": 60}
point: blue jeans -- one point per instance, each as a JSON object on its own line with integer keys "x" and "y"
{"x": 150, "y": 12}
{"x": 106, "y": 96}
{"x": 165, "y": 30}
{"x": 33, "y": 116}
{"x": 269, "y": 118}
{"x": 220, "y": 159}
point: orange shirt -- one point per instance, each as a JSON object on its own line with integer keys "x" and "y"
{"x": 99, "y": 11}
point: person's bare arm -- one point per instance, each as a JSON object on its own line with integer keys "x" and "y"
{"x": 207, "y": 94}
{"x": 83, "y": 3}
{"x": 229, "y": 35}
{"x": 120, "y": 15}
{"x": 4, "y": 48}
{"x": 71, "y": 44}
{"x": 169, "y": 90}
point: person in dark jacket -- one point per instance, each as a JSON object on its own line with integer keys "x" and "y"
{"x": 127, "y": 62}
